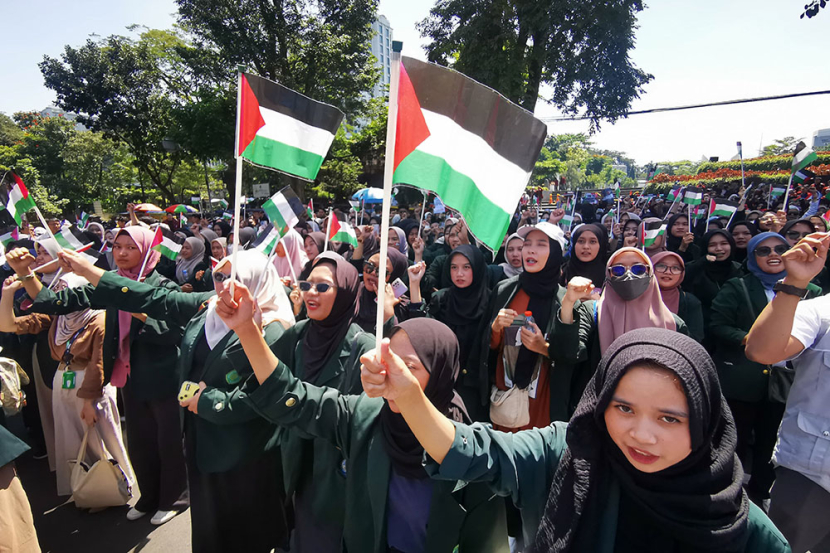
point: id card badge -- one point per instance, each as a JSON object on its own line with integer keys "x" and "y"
{"x": 68, "y": 380}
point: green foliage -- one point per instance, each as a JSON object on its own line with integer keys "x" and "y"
{"x": 339, "y": 176}
{"x": 319, "y": 48}
{"x": 579, "y": 48}
{"x": 10, "y": 133}
{"x": 780, "y": 146}
{"x": 766, "y": 163}
{"x": 548, "y": 167}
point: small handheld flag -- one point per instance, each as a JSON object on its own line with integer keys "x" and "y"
{"x": 267, "y": 240}
{"x": 693, "y": 196}
{"x": 722, "y": 208}
{"x": 284, "y": 210}
{"x": 342, "y": 231}
{"x": 803, "y": 156}
{"x": 19, "y": 200}
{"x": 652, "y": 230}
{"x": 167, "y": 243}
{"x": 83, "y": 220}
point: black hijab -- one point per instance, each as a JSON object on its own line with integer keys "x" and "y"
{"x": 406, "y": 225}
{"x": 719, "y": 271}
{"x": 225, "y": 227}
{"x": 790, "y": 224}
{"x": 462, "y": 308}
{"x": 368, "y": 300}
{"x": 320, "y": 240}
{"x": 542, "y": 287}
{"x": 699, "y": 502}
{"x": 673, "y": 242}
{"x": 740, "y": 253}
{"x": 323, "y": 338}
{"x": 594, "y": 269}
{"x": 437, "y": 349}
{"x": 371, "y": 246}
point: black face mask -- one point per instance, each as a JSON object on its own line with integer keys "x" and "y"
{"x": 629, "y": 287}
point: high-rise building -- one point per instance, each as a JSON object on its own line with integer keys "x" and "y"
{"x": 382, "y": 50}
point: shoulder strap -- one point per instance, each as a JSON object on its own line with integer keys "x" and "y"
{"x": 747, "y": 298}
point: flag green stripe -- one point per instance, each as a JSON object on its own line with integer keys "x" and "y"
{"x": 487, "y": 221}
{"x": 345, "y": 236}
{"x": 167, "y": 252}
{"x": 282, "y": 157}
{"x": 721, "y": 211}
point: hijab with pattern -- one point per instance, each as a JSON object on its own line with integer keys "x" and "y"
{"x": 142, "y": 237}
{"x": 437, "y": 350}
{"x": 594, "y": 270}
{"x": 671, "y": 296}
{"x": 367, "y": 313}
{"x": 323, "y": 338}
{"x": 697, "y": 504}
{"x": 615, "y": 316}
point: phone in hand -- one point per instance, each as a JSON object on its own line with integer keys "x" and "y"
{"x": 399, "y": 288}
{"x": 188, "y": 390}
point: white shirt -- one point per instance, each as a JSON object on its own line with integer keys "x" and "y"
{"x": 804, "y": 437}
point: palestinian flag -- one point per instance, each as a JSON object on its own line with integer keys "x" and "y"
{"x": 72, "y": 238}
{"x": 617, "y": 191}
{"x": 567, "y": 221}
{"x": 802, "y": 175}
{"x": 266, "y": 240}
{"x": 284, "y": 210}
{"x": 8, "y": 236}
{"x": 167, "y": 243}
{"x": 466, "y": 143}
{"x": 693, "y": 196}
{"x": 802, "y": 157}
{"x": 282, "y": 129}
{"x": 775, "y": 192}
{"x": 83, "y": 220}
{"x": 355, "y": 205}
{"x": 673, "y": 194}
{"x": 722, "y": 208}
{"x": 310, "y": 209}
{"x": 228, "y": 216}
{"x": 182, "y": 220}
{"x": 698, "y": 212}
{"x": 651, "y": 232}
{"x": 342, "y": 231}
{"x": 19, "y": 200}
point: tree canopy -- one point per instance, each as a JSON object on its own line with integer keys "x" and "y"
{"x": 580, "y": 49}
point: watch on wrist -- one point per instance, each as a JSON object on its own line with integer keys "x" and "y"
{"x": 24, "y": 278}
{"x": 790, "y": 289}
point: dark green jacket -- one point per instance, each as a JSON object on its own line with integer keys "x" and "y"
{"x": 690, "y": 310}
{"x": 522, "y": 466}
{"x": 154, "y": 344}
{"x": 740, "y": 378}
{"x": 318, "y": 461}
{"x": 228, "y": 433}
{"x": 467, "y": 515}
{"x": 705, "y": 289}
{"x": 563, "y": 351}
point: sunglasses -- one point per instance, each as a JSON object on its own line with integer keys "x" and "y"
{"x": 663, "y": 268}
{"x": 764, "y": 251}
{"x": 321, "y": 287}
{"x": 220, "y": 277}
{"x": 371, "y": 269}
{"x": 795, "y": 235}
{"x": 638, "y": 269}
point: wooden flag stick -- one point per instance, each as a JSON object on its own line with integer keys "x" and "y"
{"x": 388, "y": 171}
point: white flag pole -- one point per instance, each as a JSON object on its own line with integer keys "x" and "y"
{"x": 328, "y": 230}
{"x": 388, "y": 171}
{"x": 787, "y": 195}
{"x": 238, "y": 188}
{"x": 423, "y": 208}
{"x": 741, "y": 153}
{"x": 267, "y": 262}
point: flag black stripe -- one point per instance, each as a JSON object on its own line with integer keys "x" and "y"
{"x": 276, "y": 97}
{"x": 511, "y": 131}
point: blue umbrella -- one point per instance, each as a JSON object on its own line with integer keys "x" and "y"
{"x": 369, "y": 195}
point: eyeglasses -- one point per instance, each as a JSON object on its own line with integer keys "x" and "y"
{"x": 795, "y": 235}
{"x": 764, "y": 251}
{"x": 371, "y": 269}
{"x": 638, "y": 269}
{"x": 321, "y": 287}
{"x": 219, "y": 276}
{"x": 663, "y": 268}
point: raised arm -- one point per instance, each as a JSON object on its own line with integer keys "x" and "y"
{"x": 30, "y": 324}
{"x": 770, "y": 339}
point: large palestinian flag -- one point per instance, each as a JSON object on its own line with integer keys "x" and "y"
{"x": 282, "y": 129}
{"x": 466, "y": 143}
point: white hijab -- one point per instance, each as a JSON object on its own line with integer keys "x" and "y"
{"x": 271, "y": 297}
{"x": 67, "y": 325}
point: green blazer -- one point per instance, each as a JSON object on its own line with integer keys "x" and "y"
{"x": 228, "y": 433}
{"x": 522, "y": 466}
{"x": 740, "y": 378}
{"x": 690, "y": 310}
{"x": 563, "y": 350}
{"x": 469, "y": 516}
{"x": 705, "y": 289}
{"x": 318, "y": 461}
{"x": 154, "y": 344}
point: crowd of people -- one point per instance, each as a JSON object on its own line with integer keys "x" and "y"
{"x": 582, "y": 388}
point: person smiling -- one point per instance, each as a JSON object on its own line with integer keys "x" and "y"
{"x": 396, "y": 264}
{"x": 680, "y": 239}
{"x": 742, "y": 232}
{"x": 756, "y": 393}
{"x": 647, "y": 462}
{"x": 587, "y": 256}
{"x": 670, "y": 270}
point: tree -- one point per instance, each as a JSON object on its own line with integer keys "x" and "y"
{"x": 579, "y": 48}
{"x": 10, "y": 133}
{"x": 781, "y": 146}
{"x": 319, "y": 48}
{"x": 548, "y": 167}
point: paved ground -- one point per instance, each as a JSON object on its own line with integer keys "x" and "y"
{"x": 63, "y": 528}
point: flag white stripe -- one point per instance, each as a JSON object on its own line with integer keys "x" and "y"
{"x": 499, "y": 180}
{"x": 292, "y": 132}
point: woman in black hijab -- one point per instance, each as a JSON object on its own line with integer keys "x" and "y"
{"x": 647, "y": 463}
{"x": 390, "y": 503}
{"x": 410, "y": 229}
{"x": 313, "y": 244}
{"x": 461, "y": 307}
{"x": 396, "y": 264}
{"x": 742, "y": 232}
{"x": 587, "y": 256}
{"x": 224, "y": 229}
{"x": 676, "y": 241}
{"x": 706, "y": 276}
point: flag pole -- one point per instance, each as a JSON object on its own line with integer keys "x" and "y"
{"x": 679, "y": 192}
{"x": 238, "y": 188}
{"x": 46, "y": 227}
{"x": 689, "y": 217}
{"x": 362, "y": 210}
{"x": 268, "y": 261}
{"x": 787, "y": 195}
{"x": 741, "y": 153}
{"x": 328, "y": 231}
{"x": 388, "y": 171}
{"x": 423, "y": 207}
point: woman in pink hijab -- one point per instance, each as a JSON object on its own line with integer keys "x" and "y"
{"x": 290, "y": 258}
{"x": 669, "y": 269}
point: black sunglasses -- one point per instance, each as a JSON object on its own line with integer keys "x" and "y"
{"x": 371, "y": 269}
{"x": 321, "y": 287}
{"x": 638, "y": 269}
{"x": 795, "y": 235}
{"x": 764, "y": 251}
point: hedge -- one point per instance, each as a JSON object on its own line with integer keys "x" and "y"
{"x": 766, "y": 163}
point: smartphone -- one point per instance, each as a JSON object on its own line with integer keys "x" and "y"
{"x": 188, "y": 390}
{"x": 399, "y": 288}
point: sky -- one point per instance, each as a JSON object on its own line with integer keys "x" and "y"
{"x": 701, "y": 51}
